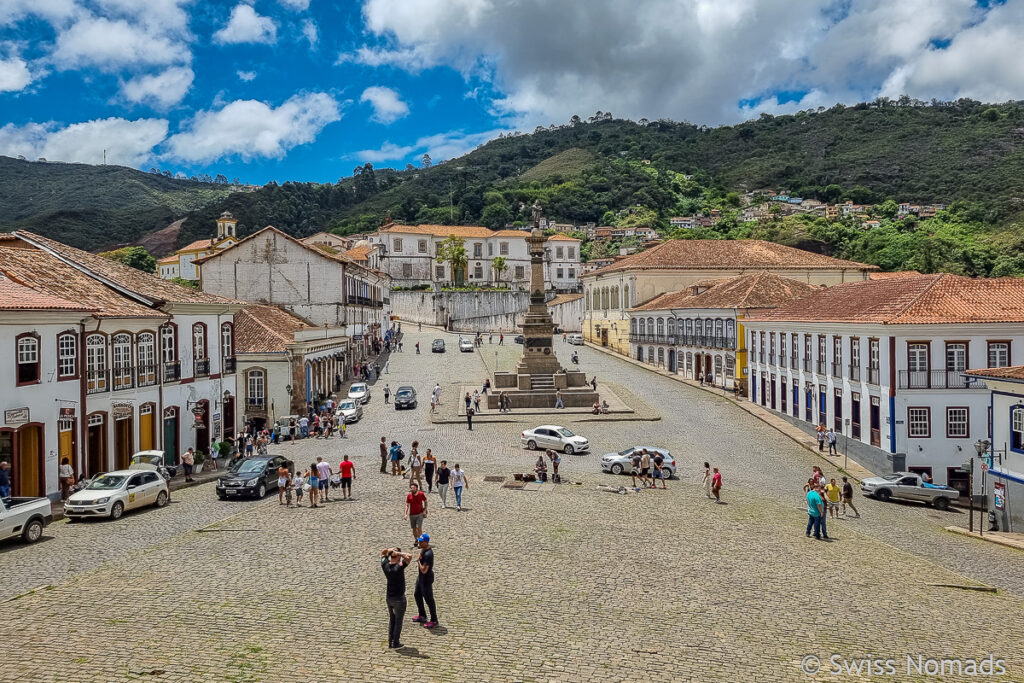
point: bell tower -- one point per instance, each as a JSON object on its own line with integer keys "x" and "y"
{"x": 226, "y": 226}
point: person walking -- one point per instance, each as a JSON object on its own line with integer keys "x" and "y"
{"x": 291, "y": 430}
{"x": 347, "y": 468}
{"x": 476, "y": 401}
{"x": 393, "y": 563}
{"x": 424, "y": 591}
{"x": 387, "y": 393}
{"x": 433, "y": 404}
{"x": 821, "y": 437}
{"x": 459, "y": 481}
{"x": 437, "y": 393}
{"x": 659, "y": 471}
{"x": 429, "y": 465}
{"x": 832, "y": 498}
{"x": 815, "y": 513}
{"x": 387, "y": 367}
{"x": 558, "y": 399}
{"x": 501, "y": 339}
{"x": 645, "y": 468}
{"x": 383, "y": 455}
{"x": 66, "y": 475}
{"x": 716, "y": 485}
{"x": 313, "y": 482}
{"x": 415, "y": 509}
{"x": 830, "y": 437}
{"x": 5, "y": 478}
{"x": 188, "y": 459}
{"x": 847, "y": 491}
{"x": 442, "y": 481}
{"x": 469, "y": 418}
{"x": 634, "y": 469}
{"x": 323, "y": 473}
{"x": 416, "y": 464}
{"x": 469, "y": 401}
{"x": 298, "y": 483}
{"x": 283, "y": 475}
{"x": 706, "y": 479}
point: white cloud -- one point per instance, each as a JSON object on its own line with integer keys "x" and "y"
{"x": 51, "y": 10}
{"x": 246, "y": 26}
{"x": 310, "y": 32}
{"x": 297, "y": 5}
{"x": 247, "y": 75}
{"x": 162, "y": 90}
{"x": 440, "y": 146}
{"x": 387, "y": 104}
{"x": 129, "y": 143}
{"x": 117, "y": 43}
{"x": 14, "y": 74}
{"x": 698, "y": 59}
{"x": 249, "y": 129}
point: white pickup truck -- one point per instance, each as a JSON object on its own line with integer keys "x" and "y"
{"x": 909, "y": 486}
{"x": 24, "y": 517}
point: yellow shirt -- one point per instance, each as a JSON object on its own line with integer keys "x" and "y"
{"x": 832, "y": 491}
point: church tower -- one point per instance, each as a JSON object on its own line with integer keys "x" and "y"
{"x": 226, "y": 226}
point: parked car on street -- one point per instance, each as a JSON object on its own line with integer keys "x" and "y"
{"x": 25, "y": 517}
{"x": 622, "y": 462}
{"x": 252, "y": 476}
{"x": 349, "y": 410}
{"x": 555, "y": 437}
{"x": 466, "y": 345}
{"x": 519, "y": 339}
{"x": 405, "y": 397}
{"x": 574, "y": 338}
{"x": 909, "y": 486}
{"x": 153, "y": 459}
{"x": 359, "y": 392}
{"x": 437, "y": 346}
{"x": 112, "y": 494}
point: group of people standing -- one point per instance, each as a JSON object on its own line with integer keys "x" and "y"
{"x": 827, "y": 435}
{"x": 826, "y": 500}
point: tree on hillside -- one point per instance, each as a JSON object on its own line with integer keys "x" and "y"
{"x": 453, "y": 252}
{"x": 136, "y": 257}
{"x": 426, "y": 162}
{"x": 499, "y": 265}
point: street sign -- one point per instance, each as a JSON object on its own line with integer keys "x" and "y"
{"x": 984, "y": 467}
{"x": 999, "y": 494}
{"x": 15, "y": 417}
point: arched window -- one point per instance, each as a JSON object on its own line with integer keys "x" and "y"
{"x": 28, "y": 358}
{"x": 719, "y": 327}
{"x": 708, "y": 327}
{"x": 689, "y": 361}
{"x": 227, "y": 347}
{"x": 67, "y": 355}
{"x": 96, "y": 363}
{"x": 661, "y": 327}
{"x": 650, "y": 328}
{"x": 169, "y": 343}
{"x": 632, "y": 325}
{"x": 200, "y": 358}
{"x": 146, "y": 351}
{"x": 643, "y": 326}
{"x": 625, "y": 297}
{"x": 640, "y": 353}
{"x": 730, "y": 333}
{"x": 689, "y": 326}
{"x": 605, "y": 302}
{"x": 256, "y": 388}
{"x": 121, "y": 347}
{"x": 615, "y": 297}
{"x": 661, "y": 356}
{"x": 650, "y": 355}
{"x": 718, "y": 367}
{"x": 671, "y": 327}
{"x": 730, "y": 366}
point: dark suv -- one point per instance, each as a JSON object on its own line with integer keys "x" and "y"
{"x": 437, "y": 346}
{"x": 405, "y": 397}
{"x": 252, "y": 476}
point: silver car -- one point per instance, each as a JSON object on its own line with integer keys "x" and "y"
{"x": 622, "y": 462}
{"x": 349, "y": 410}
{"x": 555, "y": 437}
{"x": 359, "y": 392}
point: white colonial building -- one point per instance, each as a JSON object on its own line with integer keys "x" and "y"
{"x": 152, "y": 362}
{"x": 182, "y": 263}
{"x": 562, "y": 263}
{"x": 884, "y": 362}
{"x": 697, "y": 332}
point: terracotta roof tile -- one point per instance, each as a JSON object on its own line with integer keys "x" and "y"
{"x": 146, "y": 285}
{"x": 360, "y": 254}
{"x": 464, "y": 231}
{"x": 198, "y": 244}
{"x": 1014, "y": 372}
{"x": 563, "y": 238}
{"x": 265, "y": 329}
{"x": 46, "y": 273}
{"x": 173, "y": 258}
{"x": 16, "y": 297}
{"x": 924, "y": 299}
{"x": 882, "y": 275}
{"x": 757, "y": 290}
{"x": 336, "y": 255}
{"x": 564, "y": 299}
{"x": 697, "y": 254}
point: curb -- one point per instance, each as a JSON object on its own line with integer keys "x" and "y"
{"x": 992, "y": 537}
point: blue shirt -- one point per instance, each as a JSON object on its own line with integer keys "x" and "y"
{"x": 814, "y": 504}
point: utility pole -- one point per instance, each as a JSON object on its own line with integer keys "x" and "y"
{"x": 104, "y": 157}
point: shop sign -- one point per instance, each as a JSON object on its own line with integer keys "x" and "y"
{"x": 999, "y": 495}
{"x": 15, "y": 417}
{"x": 67, "y": 413}
{"x": 120, "y": 410}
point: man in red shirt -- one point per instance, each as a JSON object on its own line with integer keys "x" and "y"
{"x": 348, "y": 473}
{"x": 415, "y": 508}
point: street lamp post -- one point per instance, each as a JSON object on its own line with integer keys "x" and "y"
{"x": 846, "y": 441}
{"x": 981, "y": 446}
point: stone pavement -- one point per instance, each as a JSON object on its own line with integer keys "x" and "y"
{"x": 562, "y": 583}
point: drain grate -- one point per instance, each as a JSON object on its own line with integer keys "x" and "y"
{"x": 493, "y": 478}
{"x": 514, "y": 485}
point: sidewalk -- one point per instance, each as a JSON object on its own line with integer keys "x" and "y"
{"x": 852, "y": 468}
{"x": 1008, "y": 539}
{"x": 177, "y": 482}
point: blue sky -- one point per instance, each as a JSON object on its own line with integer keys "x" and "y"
{"x": 307, "y": 89}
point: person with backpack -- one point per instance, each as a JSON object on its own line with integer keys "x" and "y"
{"x": 396, "y": 455}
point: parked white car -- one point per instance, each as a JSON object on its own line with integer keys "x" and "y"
{"x": 909, "y": 486}
{"x": 466, "y": 345}
{"x": 359, "y": 392}
{"x": 622, "y": 462}
{"x": 111, "y": 494}
{"x": 24, "y": 517}
{"x": 554, "y": 437}
{"x": 349, "y": 410}
{"x": 574, "y": 338}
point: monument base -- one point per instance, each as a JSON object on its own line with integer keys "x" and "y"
{"x": 538, "y": 391}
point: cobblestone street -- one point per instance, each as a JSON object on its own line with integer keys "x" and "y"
{"x": 561, "y": 583}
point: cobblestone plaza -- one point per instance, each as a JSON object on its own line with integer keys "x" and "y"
{"x": 561, "y": 583}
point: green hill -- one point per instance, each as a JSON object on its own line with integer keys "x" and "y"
{"x": 564, "y": 165}
{"x": 94, "y": 207}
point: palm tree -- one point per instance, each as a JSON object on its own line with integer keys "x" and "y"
{"x": 499, "y": 265}
{"x": 453, "y": 252}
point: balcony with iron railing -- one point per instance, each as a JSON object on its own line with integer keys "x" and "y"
{"x": 854, "y": 373}
{"x": 256, "y": 404}
{"x": 122, "y": 376}
{"x": 794, "y": 362}
{"x": 97, "y": 381}
{"x": 172, "y": 371}
{"x": 819, "y": 366}
{"x": 837, "y": 370}
{"x": 201, "y": 367}
{"x": 873, "y": 374}
{"x": 938, "y": 379}
{"x": 227, "y": 365}
{"x": 807, "y": 364}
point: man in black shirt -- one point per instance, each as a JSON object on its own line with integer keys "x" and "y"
{"x": 393, "y": 561}
{"x": 659, "y": 472}
{"x": 848, "y": 497}
{"x": 425, "y": 584}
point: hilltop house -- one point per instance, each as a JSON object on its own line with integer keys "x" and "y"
{"x": 182, "y": 263}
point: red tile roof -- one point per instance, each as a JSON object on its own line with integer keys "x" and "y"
{"x": 1013, "y": 373}
{"x": 924, "y": 299}
{"x": 882, "y": 275}
{"x": 564, "y": 299}
{"x": 333, "y": 254}
{"x": 439, "y": 230}
{"x": 563, "y": 238}
{"x": 198, "y": 244}
{"x": 757, "y": 290}
{"x": 16, "y": 297}
{"x": 145, "y": 285}
{"x": 266, "y": 329}
{"x": 360, "y": 254}
{"x": 698, "y": 254}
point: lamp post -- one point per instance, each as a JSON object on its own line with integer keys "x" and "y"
{"x": 981, "y": 446}
{"x": 846, "y": 441}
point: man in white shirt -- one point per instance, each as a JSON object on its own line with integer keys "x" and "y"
{"x": 304, "y": 427}
{"x": 437, "y": 393}
{"x": 323, "y": 470}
